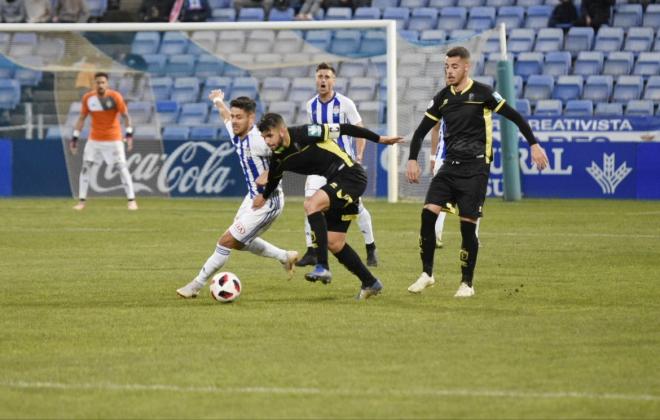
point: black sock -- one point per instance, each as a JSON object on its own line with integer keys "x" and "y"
{"x": 351, "y": 260}
{"x": 320, "y": 237}
{"x": 371, "y": 246}
{"x": 427, "y": 240}
{"x": 469, "y": 250}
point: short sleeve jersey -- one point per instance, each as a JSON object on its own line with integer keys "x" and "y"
{"x": 105, "y": 112}
{"x": 468, "y": 119}
{"x": 338, "y": 110}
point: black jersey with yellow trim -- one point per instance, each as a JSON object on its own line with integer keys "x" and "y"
{"x": 312, "y": 150}
{"x": 468, "y": 120}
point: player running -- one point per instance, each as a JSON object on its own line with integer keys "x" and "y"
{"x": 249, "y": 223}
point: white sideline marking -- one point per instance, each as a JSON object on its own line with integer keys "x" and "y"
{"x": 314, "y": 391}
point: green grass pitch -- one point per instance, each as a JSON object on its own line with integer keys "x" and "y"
{"x": 565, "y": 322}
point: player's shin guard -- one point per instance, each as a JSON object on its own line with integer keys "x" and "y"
{"x": 84, "y": 180}
{"x": 320, "y": 229}
{"x": 469, "y": 250}
{"x": 213, "y": 264}
{"x": 351, "y": 260}
{"x": 427, "y": 240}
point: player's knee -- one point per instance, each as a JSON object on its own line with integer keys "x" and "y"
{"x": 336, "y": 244}
{"x": 228, "y": 241}
{"x": 311, "y": 206}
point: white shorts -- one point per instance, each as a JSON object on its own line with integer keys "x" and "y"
{"x": 112, "y": 152}
{"x": 313, "y": 183}
{"x": 250, "y": 223}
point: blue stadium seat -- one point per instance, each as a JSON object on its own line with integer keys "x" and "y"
{"x": 652, "y": 91}
{"x": 367, "y": 13}
{"x": 362, "y": 89}
{"x": 346, "y": 42}
{"x": 492, "y": 43}
{"x": 518, "y": 85}
{"x": 161, "y": 87}
{"x": 410, "y": 36}
{"x": 180, "y": 65}
{"x": 245, "y": 86}
{"x": 521, "y": 40}
{"x": 648, "y": 64}
{"x": 26, "y": 74}
{"x": 373, "y": 43}
{"x": 452, "y": 18}
{"x": 217, "y": 82}
{"x": 301, "y": 90}
{"x": 470, "y": 3}
{"x": 203, "y": 133}
{"x": 260, "y": 42}
{"x": 400, "y": 14}
{"x": 185, "y": 89}
{"x": 230, "y": 42}
{"x": 383, "y": 4}
{"x": 7, "y": 67}
{"x": 627, "y": 15}
{"x": 338, "y": 13}
{"x": 433, "y": 36}
{"x": 512, "y": 16}
{"x": 461, "y": 34}
{"x": 287, "y": 42}
{"x": 237, "y": 63}
{"x": 549, "y": 39}
{"x": 168, "y": 111}
{"x": 208, "y": 65}
{"x": 173, "y": 43}
{"x": 223, "y": 15}
{"x": 579, "y": 108}
{"x": 486, "y": 80}
{"x": 440, "y": 4}
{"x": 638, "y": 40}
{"x": 97, "y": 8}
{"x": 274, "y": 89}
{"x": 5, "y": 40}
{"x": 319, "y": 39}
{"x": 568, "y": 87}
{"x": 155, "y": 63}
{"x": 413, "y": 4}
{"x": 589, "y": 63}
{"x": 523, "y": 106}
{"x": 528, "y": 63}
{"x": 498, "y": 4}
{"x": 598, "y": 88}
{"x": 378, "y": 66}
{"x": 579, "y": 39}
{"x": 219, "y": 4}
{"x": 481, "y": 18}
{"x": 529, "y": 3}
{"x": 10, "y": 93}
{"x": 548, "y": 108}
{"x": 490, "y": 65}
{"x": 656, "y": 44}
{"x": 286, "y": 109}
{"x": 140, "y": 112}
{"x": 299, "y": 66}
{"x": 251, "y": 14}
{"x": 627, "y": 88}
{"x": 202, "y": 42}
{"x": 350, "y": 69}
{"x": 277, "y": 15}
{"x": 372, "y": 112}
{"x": 423, "y": 18}
{"x": 618, "y": 63}
{"x": 557, "y": 63}
{"x": 23, "y": 44}
{"x": 652, "y": 16}
{"x": 538, "y": 16}
{"x": 145, "y": 43}
{"x": 146, "y": 132}
{"x": 639, "y": 108}
{"x": 539, "y": 86}
{"x": 607, "y": 109}
{"x": 176, "y": 133}
{"x": 193, "y": 114}
{"x": 608, "y": 39}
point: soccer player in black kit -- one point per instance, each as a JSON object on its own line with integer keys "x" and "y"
{"x": 312, "y": 150}
{"x": 467, "y": 109}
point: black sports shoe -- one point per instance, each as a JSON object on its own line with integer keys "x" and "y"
{"x": 372, "y": 257}
{"x": 308, "y": 259}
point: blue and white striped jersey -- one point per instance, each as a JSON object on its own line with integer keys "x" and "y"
{"x": 440, "y": 150}
{"x": 338, "y": 110}
{"x": 254, "y": 156}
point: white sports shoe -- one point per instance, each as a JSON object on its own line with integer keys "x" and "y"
{"x": 132, "y": 205}
{"x": 290, "y": 264}
{"x": 79, "y": 206}
{"x": 190, "y": 290}
{"x": 421, "y": 283}
{"x": 464, "y": 290}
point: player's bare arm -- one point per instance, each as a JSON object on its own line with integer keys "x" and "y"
{"x": 77, "y": 127}
{"x": 364, "y": 133}
{"x": 218, "y": 98}
{"x": 539, "y": 156}
{"x": 435, "y": 139}
{"x": 412, "y": 168}
{"x": 262, "y": 179}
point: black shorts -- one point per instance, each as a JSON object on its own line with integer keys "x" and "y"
{"x": 461, "y": 185}
{"x": 344, "y": 190}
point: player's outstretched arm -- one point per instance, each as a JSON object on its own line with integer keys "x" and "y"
{"x": 538, "y": 154}
{"x": 217, "y": 96}
{"x": 365, "y": 133}
{"x": 412, "y": 168}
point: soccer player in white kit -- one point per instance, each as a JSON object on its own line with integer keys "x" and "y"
{"x": 249, "y": 223}
{"x": 105, "y": 140}
{"x": 331, "y": 107}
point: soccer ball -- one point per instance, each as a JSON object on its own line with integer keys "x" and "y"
{"x": 225, "y": 287}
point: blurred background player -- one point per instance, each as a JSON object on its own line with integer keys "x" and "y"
{"x": 104, "y": 105}
{"x": 249, "y": 223}
{"x": 329, "y": 106}
{"x": 313, "y": 150}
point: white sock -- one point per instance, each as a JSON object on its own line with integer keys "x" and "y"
{"x": 213, "y": 264}
{"x": 364, "y": 222}
{"x": 126, "y": 181}
{"x": 308, "y": 234}
{"x": 439, "y": 225}
{"x": 83, "y": 184}
{"x": 476, "y": 232}
{"x": 265, "y": 249}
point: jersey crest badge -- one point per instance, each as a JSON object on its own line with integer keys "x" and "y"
{"x": 335, "y": 110}
{"x": 314, "y": 130}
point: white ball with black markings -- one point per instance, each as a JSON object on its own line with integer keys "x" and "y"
{"x": 225, "y": 287}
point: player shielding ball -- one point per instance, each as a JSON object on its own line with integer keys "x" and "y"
{"x": 312, "y": 150}
{"x": 104, "y": 105}
{"x": 249, "y": 223}
{"x": 466, "y": 107}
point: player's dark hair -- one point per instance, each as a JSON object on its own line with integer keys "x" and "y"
{"x": 459, "y": 52}
{"x": 326, "y": 66}
{"x": 270, "y": 121}
{"x": 246, "y": 104}
{"x": 102, "y": 74}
